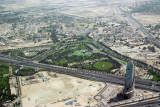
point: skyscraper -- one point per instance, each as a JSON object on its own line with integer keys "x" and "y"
{"x": 130, "y": 80}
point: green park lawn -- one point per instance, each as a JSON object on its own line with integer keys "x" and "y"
{"x": 103, "y": 65}
{"x": 31, "y": 54}
{"x": 81, "y": 47}
{"x": 62, "y": 61}
{"x": 2, "y": 63}
{"x": 4, "y": 70}
{"x": 155, "y": 77}
{"x": 16, "y": 53}
{"x": 3, "y": 81}
{"x": 26, "y": 71}
{"x": 89, "y": 66}
{"x": 80, "y": 53}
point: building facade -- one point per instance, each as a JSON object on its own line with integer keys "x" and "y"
{"x": 130, "y": 80}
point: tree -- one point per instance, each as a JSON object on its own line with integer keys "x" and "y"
{"x": 157, "y": 27}
{"x": 144, "y": 48}
{"x": 152, "y": 49}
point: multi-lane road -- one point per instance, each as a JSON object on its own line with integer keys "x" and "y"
{"x": 141, "y": 28}
{"x": 103, "y": 77}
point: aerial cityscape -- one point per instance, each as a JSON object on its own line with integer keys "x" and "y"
{"x": 79, "y": 53}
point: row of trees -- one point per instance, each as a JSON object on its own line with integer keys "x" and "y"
{"x": 150, "y": 48}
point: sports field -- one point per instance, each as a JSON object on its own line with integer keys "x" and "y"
{"x": 30, "y": 54}
{"x": 80, "y": 53}
{"x": 103, "y": 65}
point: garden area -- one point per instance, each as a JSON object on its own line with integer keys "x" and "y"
{"x": 155, "y": 78}
{"x": 25, "y": 71}
{"x": 80, "y": 53}
{"x": 81, "y": 56}
{"x": 27, "y": 54}
{"x": 103, "y": 65}
{"x": 4, "y": 69}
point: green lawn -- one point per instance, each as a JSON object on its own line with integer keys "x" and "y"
{"x": 26, "y": 71}
{"x": 15, "y": 53}
{"x": 62, "y": 61}
{"x": 155, "y": 77}
{"x": 103, "y": 65}
{"x": 80, "y": 53}
{"x": 3, "y": 81}
{"x": 2, "y": 63}
{"x": 88, "y": 66}
{"x": 30, "y": 54}
{"x": 4, "y": 70}
{"x": 27, "y": 68}
{"x": 79, "y": 47}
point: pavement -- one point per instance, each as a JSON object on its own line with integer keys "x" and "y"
{"x": 141, "y": 28}
{"x": 93, "y": 75}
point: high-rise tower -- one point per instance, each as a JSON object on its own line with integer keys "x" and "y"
{"x": 130, "y": 80}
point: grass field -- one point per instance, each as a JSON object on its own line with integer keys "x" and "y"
{"x": 26, "y": 71}
{"x": 3, "y": 81}
{"x": 155, "y": 77}
{"x": 2, "y": 63}
{"x": 89, "y": 66}
{"x": 16, "y": 53}
{"x": 62, "y": 61}
{"x": 80, "y": 53}
{"x": 103, "y": 65}
{"x": 30, "y": 54}
{"x": 4, "y": 70}
{"x": 81, "y": 47}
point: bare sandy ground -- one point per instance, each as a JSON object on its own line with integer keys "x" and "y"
{"x": 88, "y": 11}
{"x": 55, "y": 92}
{"x": 147, "y": 19}
{"x": 29, "y": 44}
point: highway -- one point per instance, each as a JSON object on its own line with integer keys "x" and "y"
{"x": 155, "y": 41}
{"x": 141, "y": 28}
{"x": 103, "y": 77}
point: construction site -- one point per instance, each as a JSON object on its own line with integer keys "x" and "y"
{"x": 57, "y": 90}
{"x": 49, "y": 89}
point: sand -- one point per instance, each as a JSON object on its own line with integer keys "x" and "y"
{"x": 55, "y": 91}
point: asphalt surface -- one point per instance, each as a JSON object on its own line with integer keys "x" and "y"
{"x": 149, "y": 101}
{"x": 155, "y": 41}
{"x": 141, "y": 27}
{"x": 103, "y": 77}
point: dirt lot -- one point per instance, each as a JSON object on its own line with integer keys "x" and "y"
{"x": 147, "y": 19}
{"x": 57, "y": 90}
